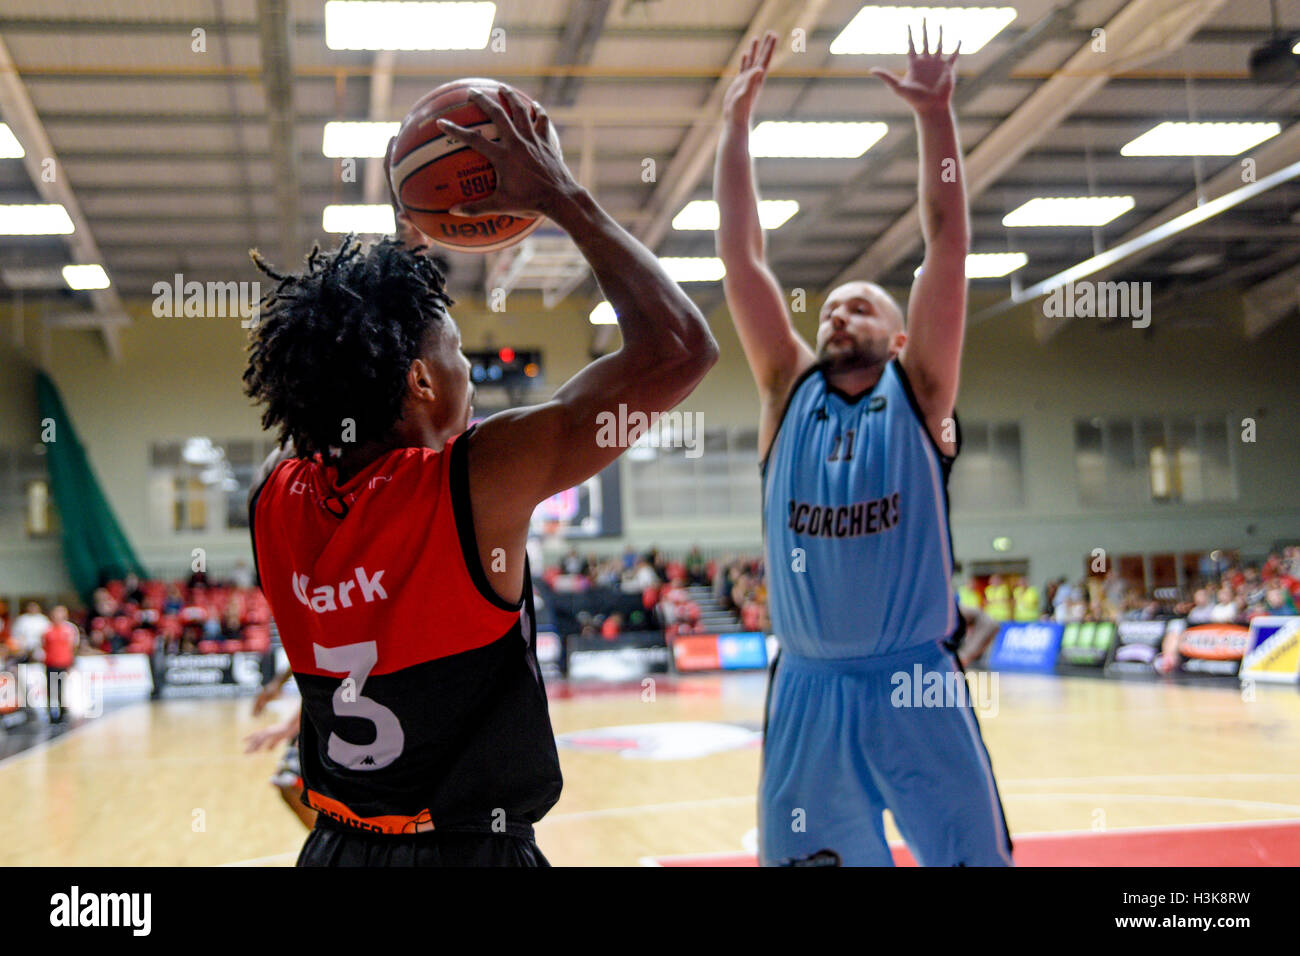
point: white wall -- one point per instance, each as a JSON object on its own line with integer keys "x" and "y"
{"x": 181, "y": 377}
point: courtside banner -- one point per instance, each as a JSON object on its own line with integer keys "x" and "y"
{"x": 1137, "y": 645}
{"x": 711, "y": 652}
{"x": 696, "y": 652}
{"x": 550, "y": 654}
{"x": 209, "y": 675}
{"x": 1087, "y": 643}
{"x": 94, "y": 679}
{"x": 1026, "y": 646}
{"x": 1274, "y": 655}
{"x": 743, "y": 651}
{"x": 628, "y": 656}
{"x": 1213, "y": 648}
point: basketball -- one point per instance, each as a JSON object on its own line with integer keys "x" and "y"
{"x": 432, "y": 172}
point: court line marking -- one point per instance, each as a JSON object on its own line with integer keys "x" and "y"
{"x": 1150, "y": 777}
{"x": 1071, "y": 795}
{"x": 1161, "y": 828}
{"x": 1018, "y": 837}
{"x": 264, "y": 860}
{"x": 45, "y": 745}
{"x": 1156, "y": 798}
{"x": 643, "y": 808}
{"x": 1036, "y": 835}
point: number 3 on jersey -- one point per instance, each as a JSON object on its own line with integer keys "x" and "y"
{"x": 357, "y": 660}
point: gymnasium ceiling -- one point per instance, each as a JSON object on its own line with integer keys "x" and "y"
{"x": 180, "y": 161}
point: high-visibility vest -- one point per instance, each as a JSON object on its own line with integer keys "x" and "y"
{"x": 1027, "y": 605}
{"x": 997, "y": 602}
{"x": 967, "y": 596}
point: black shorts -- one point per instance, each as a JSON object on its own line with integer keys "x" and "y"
{"x": 334, "y": 844}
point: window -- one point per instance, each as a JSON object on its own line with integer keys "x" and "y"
{"x": 200, "y": 485}
{"x": 988, "y": 474}
{"x": 693, "y": 474}
{"x": 1154, "y": 460}
{"x": 26, "y": 500}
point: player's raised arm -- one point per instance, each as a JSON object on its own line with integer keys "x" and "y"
{"x": 936, "y": 311}
{"x": 776, "y": 353}
{"x": 520, "y": 457}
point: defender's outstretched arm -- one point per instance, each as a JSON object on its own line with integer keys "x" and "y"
{"x": 936, "y": 311}
{"x": 776, "y": 353}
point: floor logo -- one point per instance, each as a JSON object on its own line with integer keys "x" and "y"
{"x": 684, "y": 740}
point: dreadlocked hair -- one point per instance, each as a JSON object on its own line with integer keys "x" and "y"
{"x": 335, "y": 342}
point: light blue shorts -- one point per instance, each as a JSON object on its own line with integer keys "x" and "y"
{"x": 840, "y": 747}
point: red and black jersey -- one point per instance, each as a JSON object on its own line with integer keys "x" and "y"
{"x": 423, "y": 706}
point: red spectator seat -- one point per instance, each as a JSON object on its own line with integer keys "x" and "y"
{"x": 142, "y": 642}
{"x": 257, "y": 638}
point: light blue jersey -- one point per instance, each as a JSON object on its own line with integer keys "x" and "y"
{"x": 855, "y": 513}
{"x": 859, "y": 564}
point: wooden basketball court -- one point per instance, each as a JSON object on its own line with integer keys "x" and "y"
{"x": 1091, "y": 771}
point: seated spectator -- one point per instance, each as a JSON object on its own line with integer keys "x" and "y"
{"x": 695, "y": 565}
{"x": 231, "y": 623}
{"x": 1228, "y": 610}
{"x": 131, "y": 590}
{"x": 1201, "y": 609}
{"x": 640, "y": 579}
{"x": 1278, "y": 600}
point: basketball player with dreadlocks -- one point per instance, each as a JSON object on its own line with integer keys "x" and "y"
{"x": 857, "y": 439}
{"x": 390, "y": 538}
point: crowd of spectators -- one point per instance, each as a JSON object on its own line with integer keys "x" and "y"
{"x": 1232, "y": 595}
{"x": 194, "y": 616}
{"x": 663, "y": 583}
{"x": 200, "y": 616}
{"x": 1246, "y": 591}
{"x": 739, "y": 586}
{"x": 134, "y": 616}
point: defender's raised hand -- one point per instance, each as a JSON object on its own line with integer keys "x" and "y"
{"x": 927, "y": 85}
{"x": 531, "y": 176}
{"x": 738, "y": 103}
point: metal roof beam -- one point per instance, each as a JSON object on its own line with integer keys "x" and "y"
{"x": 1142, "y": 30}
{"x": 51, "y": 182}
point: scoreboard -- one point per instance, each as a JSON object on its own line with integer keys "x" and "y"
{"x": 515, "y": 370}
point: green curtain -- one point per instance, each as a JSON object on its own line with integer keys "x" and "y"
{"x": 94, "y": 546}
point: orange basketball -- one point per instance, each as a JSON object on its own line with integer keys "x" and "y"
{"x": 432, "y": 172}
